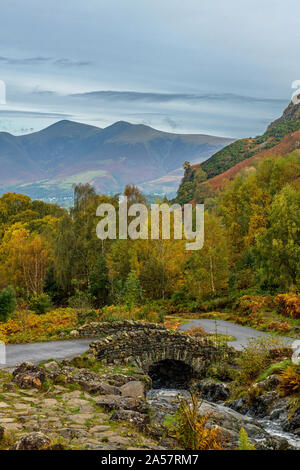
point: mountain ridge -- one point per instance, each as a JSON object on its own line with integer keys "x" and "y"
{"x": 68, "y": 152}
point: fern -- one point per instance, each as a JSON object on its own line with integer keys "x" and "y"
{"x": 244, "y": 443}
{"x": 290, "y": 381}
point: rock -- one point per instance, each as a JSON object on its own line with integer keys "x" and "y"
{"x": 2, "y": 432}
{"x": 57, "y": 446}
{"x": 6, "y": 420}
{"x": 115, "y": 402}
{"x": 76, "y": 402}
{"x": 81, "y": 418}
{"x": 269, "y": 384}
{"x": 119, "y": 442}
{"x": 257, "y": 406}
{"x": 279, "y": 410}
{"x": 296, "y": 344}
{"x": 28, "y": 375}
{"x": 91, "y": 382}
{"x": 3, "y": 405}
{"x": 33, "y": 441}
{"x": 71, "y": 433}
{"x": 137, "y": 419}
{"x": 52, "y": 366}
{"x": 9, "y": 387}
{"x": 133, "y": 389}
{"x": 118, "y": 379}
{"x": 222, "y": 416}
{"x": 74, "y": 333}
{"x": 49, "y": 403}
{"x": 273, "y": 443}
{"x": 296, "y": 356}
{"x": 99, "y": 428}
{"x": 292, "y": 422}
{"x": 213, "y": 391}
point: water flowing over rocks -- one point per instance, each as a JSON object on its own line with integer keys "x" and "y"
{"x": 229, "y": 422}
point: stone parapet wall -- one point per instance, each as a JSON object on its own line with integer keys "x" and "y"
{"x": 96, "y": 329}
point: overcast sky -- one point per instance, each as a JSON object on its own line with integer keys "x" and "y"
{"x": 197, "y": 66}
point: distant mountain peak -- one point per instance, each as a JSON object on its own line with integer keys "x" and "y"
{"x": 64, "y": 123}
{"x": 120, "y": 125}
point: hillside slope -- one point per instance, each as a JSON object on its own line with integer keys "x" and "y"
{"x": 281, "y": 137}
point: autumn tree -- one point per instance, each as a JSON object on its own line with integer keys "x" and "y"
{"x": 278, "y": 248}
{"x": 25, "y": 260}
{"x": 207, "y": 271}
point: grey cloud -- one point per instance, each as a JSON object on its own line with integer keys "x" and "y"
{"x": 33, "y": 114}
{"x": 44, "y": 60}
{"x": 134, "y": 96}
{"x": 40, "y": 92}
{"x": 71, "y": 63}
{"x": 26, "y": 61}
{"x": 171, "y": 122}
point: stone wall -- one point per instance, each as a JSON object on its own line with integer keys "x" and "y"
{"x": 96, "y": 329}
{"x": 146, "y": 346}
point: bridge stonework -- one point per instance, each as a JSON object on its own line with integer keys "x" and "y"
{"x": 96, "y": 329}
{"x": 149, "y": 344}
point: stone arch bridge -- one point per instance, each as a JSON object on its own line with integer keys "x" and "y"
{"x": 147, "y": 344}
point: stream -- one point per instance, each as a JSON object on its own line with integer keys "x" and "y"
{"x": 165, "y": 401}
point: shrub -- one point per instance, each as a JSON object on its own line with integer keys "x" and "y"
{"x": 198, "y": 332}
{"x": 290, "y": 381}
{"x": 7, "y": 303}
{"x": 276, "y": 368}
{"x": 28, "y": 327}
{"x": 132, "y": 290}
{"x": 288, "y": 305}
{"x": 256, "y": 357}
{"x": 161, "y": 316}
{"x": 189, "y": 428}
{"x": 81, "y": 300}
{"x": 219, "y": 303}
{"x": 121, "y": 312}
{"x": 40, "y": 304}
{"x": 248, "y": 304}
{"x": 87, "y": 317}
{"x": 178, "y": 297}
